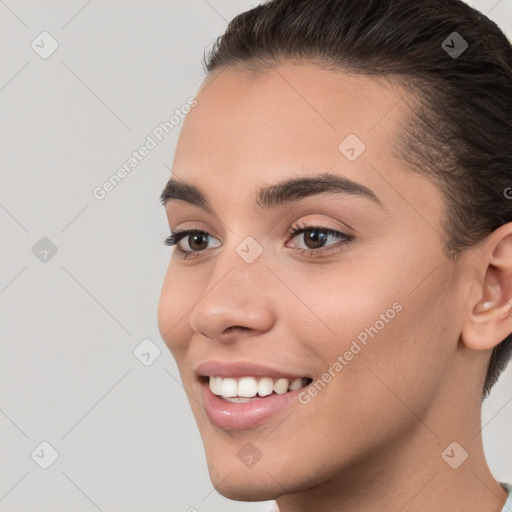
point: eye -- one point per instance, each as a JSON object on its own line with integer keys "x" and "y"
{"x": 195, "y": 239}
{"x": 316, "y": 238}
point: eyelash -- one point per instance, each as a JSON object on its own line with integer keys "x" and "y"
{"x": 177, "y": 236}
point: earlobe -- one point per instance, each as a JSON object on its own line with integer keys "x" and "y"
{"x": 490, "y": 319}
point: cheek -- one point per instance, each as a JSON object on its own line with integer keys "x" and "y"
{"x": 407, "y": 341}
{"x": 176, "y": 299}
{"x": 391, "y": 320}
{"x": 345, "y": 304}
{"x": 394, "y": 359}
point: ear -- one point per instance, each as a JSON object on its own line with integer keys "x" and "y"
{"x": 490, "y": 319}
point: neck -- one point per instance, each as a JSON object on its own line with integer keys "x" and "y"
{"x": 415, "y": 472}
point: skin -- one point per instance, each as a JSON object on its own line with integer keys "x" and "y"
{"x": 371, "y": 440}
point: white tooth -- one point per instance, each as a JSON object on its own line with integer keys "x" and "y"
{"x": 296, "y": 384}
{"x": 228, "y": 387}
{"x": 247, "y": 387}
{"x": 265, "y": 386}
{"x": 218, "y": 385}
{"x": 281, "y": 386}
{"x": 215, "y": 385}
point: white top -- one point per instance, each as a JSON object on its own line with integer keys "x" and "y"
{"x": 508, "y": 504}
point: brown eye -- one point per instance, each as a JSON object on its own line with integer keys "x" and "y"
{"x": 314, "y": 238}
{"x": 197, "y": 242}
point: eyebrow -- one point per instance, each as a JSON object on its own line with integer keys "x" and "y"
{"x": 275, "y": 195}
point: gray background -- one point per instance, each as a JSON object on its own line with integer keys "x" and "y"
{"x": 124, "y": 433}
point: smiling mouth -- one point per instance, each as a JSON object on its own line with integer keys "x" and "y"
{"x": 247, "y": 389}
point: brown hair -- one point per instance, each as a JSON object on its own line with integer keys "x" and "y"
{"x": 460, "y": 129}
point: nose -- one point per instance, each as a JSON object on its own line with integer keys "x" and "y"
{"x": 236, "y": 301}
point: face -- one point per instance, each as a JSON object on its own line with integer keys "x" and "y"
{"x": 342, "y": 288}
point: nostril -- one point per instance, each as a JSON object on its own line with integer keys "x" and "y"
{"x": 235, "y": 327}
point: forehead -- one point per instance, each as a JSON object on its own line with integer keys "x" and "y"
{"x": 312, "y": 93}
{"x": 248, "y": 130}
{"x": 288, "y": 111}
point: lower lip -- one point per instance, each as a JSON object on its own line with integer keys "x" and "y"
{"x": 247, "y": 415}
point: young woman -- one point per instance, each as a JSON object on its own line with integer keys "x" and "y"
{"x": 339, "y": 296}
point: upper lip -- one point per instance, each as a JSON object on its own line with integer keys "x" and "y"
{"x": 215, "y": 368}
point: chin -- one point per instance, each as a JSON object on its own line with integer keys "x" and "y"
{"x": 245, "y": 493}
{"x": 247, "y": 485}
{"x": 267, "y": 480}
